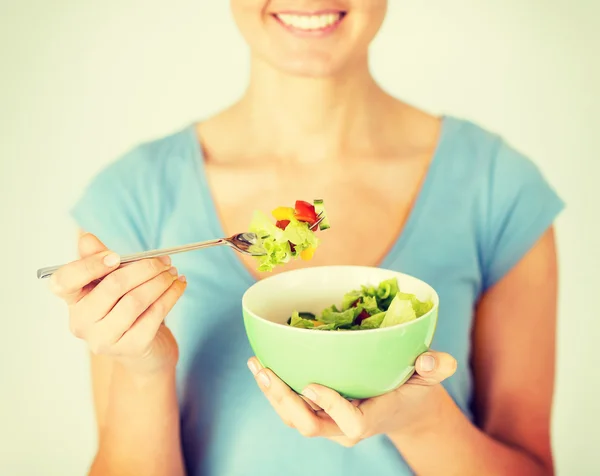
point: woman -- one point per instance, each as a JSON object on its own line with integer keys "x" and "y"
{"x": 438, "y": 198}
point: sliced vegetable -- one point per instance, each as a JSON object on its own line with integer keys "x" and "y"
{"x": 297, "y": 321}
{"x": 399, "y": 312}
{"x": 372, "y": 307}
{"x": 283, "y": 213}
{"x": 362, "y": 316}
{"x": 307, "y": 315}
{"x": 387, "y": 291}
{"x": 305, "y": 212}
{"x": 350, "y": 299}
{"x": 308, "y": 254}
{"x": 369, "y": 304}
{"x": 338, "y": 319}
{"x": 282, "y": 224}
{"x": 320, "y": 211}
{"x": 373, "y": 322}
{"x": 290, "y": 237}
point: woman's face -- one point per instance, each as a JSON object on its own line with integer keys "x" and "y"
{"x": 315, "y": 38}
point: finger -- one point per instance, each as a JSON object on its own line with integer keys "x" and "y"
{"x": 89, "y": 244}
{"x": 142, "y": 332}
{"x": 116, "y": 285}
{"x": 289, "y": 406}
{"x": 348, "y": 417}
{"x": 314, "y": 407}
{"x": 118, "y": 321}
{"x": 68, "y": 281}
{"x": 344, "y": 441}
{"x": 434, "y": 367}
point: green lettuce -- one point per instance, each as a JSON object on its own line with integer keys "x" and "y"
{"x": 373, "y": 322}
{"x": 297, "y": 321}
{"x": 421, "y": 308}
{"x": 399, "y": 312}
{"x": 338, "y": 319}
{"x": 350, "y": 298}
{"x": 276, "y": 241}
{"x": 386, "y": 292}
{"x": 385, "y": 305}
{"x": 369, "y": 304}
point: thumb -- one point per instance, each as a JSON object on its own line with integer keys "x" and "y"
{"x": 434, "y": 367}
{"x": 89, "y": 245}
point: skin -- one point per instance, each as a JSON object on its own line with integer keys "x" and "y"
{"x": 307, "y": 116}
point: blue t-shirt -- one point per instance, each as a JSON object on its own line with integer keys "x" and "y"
{"x": 481, "y": 208}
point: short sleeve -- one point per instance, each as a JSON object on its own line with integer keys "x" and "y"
{"x": 112, "y": 206}
{"x": 522, "y": 205}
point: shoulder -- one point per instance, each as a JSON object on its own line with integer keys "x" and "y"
{"x": 144, "y": 164}
{"x": 481, "y": 151}
{"x": 501, "y": 171}
{"x": 131, "y": 195}
{"x": 513, "y": 202}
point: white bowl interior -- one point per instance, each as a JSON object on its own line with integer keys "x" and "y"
{"x": 314, "y": 289}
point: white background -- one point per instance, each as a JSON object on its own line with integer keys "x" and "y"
{"x": 82, "y": 81}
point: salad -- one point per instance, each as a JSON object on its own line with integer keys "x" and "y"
{"x": 290, "y": 236}
{"x": 368, "y": 308}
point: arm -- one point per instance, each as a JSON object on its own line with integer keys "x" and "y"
{"x": 513, "y": 365}
{"x": 138, "y": 420}
{"x": 120, "y": 314}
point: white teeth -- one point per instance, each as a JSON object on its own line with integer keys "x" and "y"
{"x": 309, "y": 22}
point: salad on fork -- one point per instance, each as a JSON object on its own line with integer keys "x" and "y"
{"x": 292, "y": 236}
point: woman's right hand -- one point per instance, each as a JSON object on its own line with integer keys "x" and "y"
{"x": 120, "y": 312}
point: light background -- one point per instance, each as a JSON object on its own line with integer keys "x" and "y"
{"x": 82, "y": 81}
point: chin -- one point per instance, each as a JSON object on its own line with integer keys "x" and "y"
{"x": 314, "y": 65}
{"x": 309, "y": 68}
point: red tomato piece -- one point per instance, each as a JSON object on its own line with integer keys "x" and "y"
{"x": 305, "y": 212}
{"x": 282, "y": 224}
{"x": 362, "y": 316}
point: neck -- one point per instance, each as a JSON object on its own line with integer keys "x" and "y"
{"x": 311, "y": 119}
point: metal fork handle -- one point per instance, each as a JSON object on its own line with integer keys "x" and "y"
{"x": 49, "y": 271}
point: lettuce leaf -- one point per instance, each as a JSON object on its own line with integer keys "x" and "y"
{"x": 349, "y": 299}
{"x": 421, "y": 307}
{"x": 276, "y": 241}
{"x": 338, "y": 319}
{"x": 373, "y": 322}
{"x": 386, "y": 292}
{"x": 386, "y": 305}
{"x": 297, "y": 321}
{"x": 399, "y": 312}
{"x": 369, "y": 304}
{"x": 299, "y": 233}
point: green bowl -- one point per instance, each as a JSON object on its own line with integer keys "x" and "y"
{"x": 357, "y": 364}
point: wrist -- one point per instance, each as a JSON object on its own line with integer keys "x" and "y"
{"x": 438, "y": 410}
{"x": 143, "y": 374}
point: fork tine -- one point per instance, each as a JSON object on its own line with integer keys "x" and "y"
{"x": 318, "y": 222}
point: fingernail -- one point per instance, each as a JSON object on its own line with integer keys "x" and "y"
{"x": 112, "y": 260}
{"x": 182, "y": 279}
{"x": 173, "y": 271}
{"x": 253, "y": 367}
{"x": 264, "y": 379}
{"x": 166, "y": 260}
{"x": 310, "y": 394}
{"x": 427, "y": 363}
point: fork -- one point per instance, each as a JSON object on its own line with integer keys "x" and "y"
{"x": 244, "y": 243}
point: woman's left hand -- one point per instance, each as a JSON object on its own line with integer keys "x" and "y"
{"x": 322, "y": 412}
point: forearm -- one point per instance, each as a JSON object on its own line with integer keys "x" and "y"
{"x": 452, "y": 445}
{"x": 140, "y": 433}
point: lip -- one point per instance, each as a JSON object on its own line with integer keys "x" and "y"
{"x": 320, "y": 33}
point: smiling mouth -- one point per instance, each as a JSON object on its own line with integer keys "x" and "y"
{"x": 310, "y": 23}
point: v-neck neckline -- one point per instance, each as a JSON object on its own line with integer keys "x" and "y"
{"x": 399, "y": 244}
